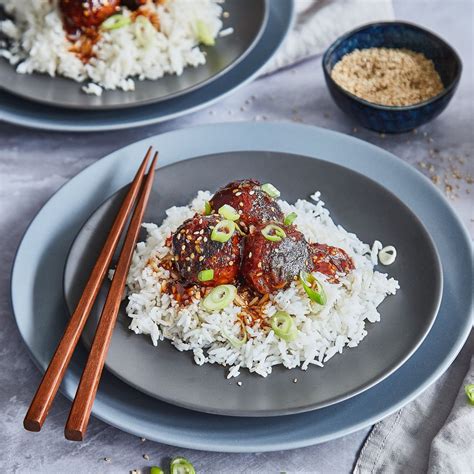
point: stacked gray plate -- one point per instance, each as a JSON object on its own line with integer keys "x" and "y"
{"x": 40, "y": 101}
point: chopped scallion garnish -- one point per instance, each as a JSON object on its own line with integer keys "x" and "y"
{"x": 289, "y": 219}
{"x": 284, "y": 326}
{"x": 219, "y": 297}
{"x": 206, "y": 275}
{"x": 203, "y": 34}
{"x": 270, "y": 190}
{"x": 207, "y": 208}
{"x": 115, "y": 22}
{"x": 273, "y": 233}
{"x": 313, "y": 288}
{"x": 469, "y": 389}
{"x": 223, "y": 231}
{"x": 181, "y": 466}
{"x": 228, "y": 212}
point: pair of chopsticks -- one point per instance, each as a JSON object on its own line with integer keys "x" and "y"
{"x": 79, "y": 415}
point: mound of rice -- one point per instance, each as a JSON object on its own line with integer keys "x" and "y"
{"x": 38, "y": 42}
{"x": 323, "y": 331}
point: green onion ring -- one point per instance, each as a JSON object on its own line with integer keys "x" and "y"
{"x": 207, "y": 208}
{"x": 273, "y": 233}
{"x": 156, "y": 470}
{"x": 289, "y": 219}
{"x": 228, "y": 212}
{"x": 115, "y": 22}
{"x": 469, "y": 389}
{"x": 284, "y": 326}
{"x": 223, "y": 231}
{"x": 270, "y": 190}
{"x": 219, "y": 297}
{"x": 181, "y": 466}
{"x": 234, "y": 342}
{"x": 206, "y": 275}
{"x": 313, "y": 287}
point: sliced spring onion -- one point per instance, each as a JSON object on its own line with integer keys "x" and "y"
{"x": 207, "y": 208}
{"x": 289, "y": 219}
{"x": 115, "y": 22}
{"x": 144, "y": 31}
{"x": 234, "y": 342}
{"x": 270, "y": 190}
{"x": 388, "y": 255}
{"x": 313, "y": 288}
{"x": 206, "y": 275}
{"x": 469, "y": 389}
{"x": 181, "y": 466}
{"x": 219, "y": 297}
{"x": 156, "y": 470}
{"x": 223, "y": 231}
{"x": 273, "y": 233}
{"x": 228, "y": 212}
{"x": 284, "y": 326}
{"x": 203, "y": 34}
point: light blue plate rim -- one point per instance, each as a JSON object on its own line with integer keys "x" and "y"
{"x": 33, "y": 115}
{"x": 128, "y": 409}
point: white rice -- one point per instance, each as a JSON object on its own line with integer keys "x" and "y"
{"x": 38, "y": 43}
{"x": 323, "y": 331}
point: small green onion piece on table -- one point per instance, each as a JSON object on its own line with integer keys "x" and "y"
{"x": 270, "y": 190}
{"x": 203, "y": 34}
{"x": 115, "y": 22}
{"x": 207, "y": 208}
{"x": 156, "y": 470}
{"x": 228, "y": 212}
{"x": 223, "y": 231}
{"x": 219, "y": 297}
{"x": 206, "y": 275}
{"x": 313, "y": 288}
{"x": 181, "y": 466}
{"x": 273, "y": 233}
{"x": 469, "y": 389}
{"x": 234, "y": 342}
{"x": 284, "y": 326}
{"x": 289, "y": 219}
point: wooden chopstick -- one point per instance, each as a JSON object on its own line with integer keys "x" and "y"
{"x": 79, "y": 415}
{"x": 54, "y": 374}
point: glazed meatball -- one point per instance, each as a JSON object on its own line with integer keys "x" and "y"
{"x": 84, "y": 14}
{"x": 194, "y": 251}
{"x": 269, "y": 265}
{"x": 247, "y": 198}
{"x": 330, "y": 260}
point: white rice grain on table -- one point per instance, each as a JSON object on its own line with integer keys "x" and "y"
{"x": 323, "y": 331}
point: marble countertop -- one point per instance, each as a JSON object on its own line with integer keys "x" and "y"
{"x": 34, "y": 164}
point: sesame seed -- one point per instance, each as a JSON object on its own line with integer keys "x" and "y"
{"x": 183, "y": 247}
{"x": 295, "y": 380}
{"x": 107, "y": 459}
{"x": 239, "y": 384}
{"x": 250, "y": 254}
{"x": 146, "y": 457}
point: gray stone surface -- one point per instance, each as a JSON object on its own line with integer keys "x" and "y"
{"x": 34, "y": 164}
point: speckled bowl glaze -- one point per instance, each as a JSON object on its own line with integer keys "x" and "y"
{"x": 390, "y": 119}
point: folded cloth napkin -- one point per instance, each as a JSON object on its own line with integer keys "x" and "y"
{"x": 434, "y": 433}
{"x": 319, "y": 22}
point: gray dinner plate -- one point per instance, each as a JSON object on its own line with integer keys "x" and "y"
{"x": 247, "y": 17}
{"x": 356, "y": 202}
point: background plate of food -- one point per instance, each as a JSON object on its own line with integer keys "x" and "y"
{"x": 14, "y": 109}
{"x": 41, "y": 312}
{"x": 117, "y": 54}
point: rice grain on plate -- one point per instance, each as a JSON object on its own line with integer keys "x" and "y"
{"x": 323, "y": 331}
{"x": 38, "y": 43}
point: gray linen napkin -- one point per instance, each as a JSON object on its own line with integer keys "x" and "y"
{"x": 434, "y": 433}
{"x": 319, "y": 22}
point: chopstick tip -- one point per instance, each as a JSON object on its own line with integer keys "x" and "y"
{"x": 31, "y": 425}
{"x": 73, "y": 435}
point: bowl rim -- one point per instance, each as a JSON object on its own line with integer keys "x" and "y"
{"x": 451, "y": 87}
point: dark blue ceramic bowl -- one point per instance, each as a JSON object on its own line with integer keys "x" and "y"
{"x": 395, "y": 34}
